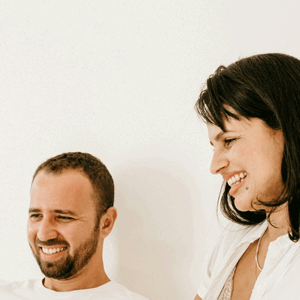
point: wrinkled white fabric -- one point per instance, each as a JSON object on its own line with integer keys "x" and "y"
{"x": 34, "y": 290}
{"x": 280, "y": 277}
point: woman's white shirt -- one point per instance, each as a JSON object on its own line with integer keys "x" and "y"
{"x": 280, "y": 277}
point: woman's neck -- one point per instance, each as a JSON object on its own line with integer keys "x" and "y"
{"x": 278, "y": 224}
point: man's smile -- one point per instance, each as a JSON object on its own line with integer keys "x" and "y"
{"x": 50, "y": 251}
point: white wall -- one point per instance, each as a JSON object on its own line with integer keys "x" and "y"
{"x": 119, "y": 79}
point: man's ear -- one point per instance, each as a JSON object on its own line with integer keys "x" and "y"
{"x": 107, "y": 221}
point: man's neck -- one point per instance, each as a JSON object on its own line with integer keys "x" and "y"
{"x": 86, "y": 278}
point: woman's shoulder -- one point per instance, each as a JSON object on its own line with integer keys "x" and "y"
{"x": 230, "y": 227}
{"x": 233, "y": 234}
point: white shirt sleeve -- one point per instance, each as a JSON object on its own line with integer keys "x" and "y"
{"x": 208, "y": 268}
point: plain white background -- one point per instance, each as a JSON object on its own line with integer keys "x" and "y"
{"x": 119, "y": 79}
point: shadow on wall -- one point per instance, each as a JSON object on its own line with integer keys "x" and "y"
{"x": 154, "y": 233}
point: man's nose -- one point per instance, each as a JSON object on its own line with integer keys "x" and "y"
{"x": 218, "y": 162}
{"x": 47, "y": 230}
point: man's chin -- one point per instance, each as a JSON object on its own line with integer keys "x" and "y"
{"x": 56, "y": 269}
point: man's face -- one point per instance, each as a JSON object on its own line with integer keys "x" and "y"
{"x": 61, "y": 231}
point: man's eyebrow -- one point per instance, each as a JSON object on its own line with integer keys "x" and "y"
{"x": 65, "y": 212}
{"x": 34, "y": 210}
{"x": 58, "y": 211}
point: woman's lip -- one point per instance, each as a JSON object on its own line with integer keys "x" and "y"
{"x": 229, "y": 175}
{"x": 236, "y": 187}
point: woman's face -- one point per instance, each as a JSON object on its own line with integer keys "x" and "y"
{"x": 248, "y": 156}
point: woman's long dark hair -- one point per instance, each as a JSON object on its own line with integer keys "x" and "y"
{"x": 267, "y": 87}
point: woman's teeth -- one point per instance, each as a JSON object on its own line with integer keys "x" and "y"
{"x": 52, "y": 251}
{"x": 237, "y": 178}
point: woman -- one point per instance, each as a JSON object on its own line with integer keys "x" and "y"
{"x": 252, "y": 112}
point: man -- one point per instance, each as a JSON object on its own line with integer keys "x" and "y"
{"x": 71, "y": 212}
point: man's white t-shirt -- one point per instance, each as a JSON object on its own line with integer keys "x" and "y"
{"x": 34, "y": 290}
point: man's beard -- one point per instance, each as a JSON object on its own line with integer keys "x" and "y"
{"x": 69, "y": 266}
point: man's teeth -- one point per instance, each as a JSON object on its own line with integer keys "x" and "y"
{"x": 237, "y": 178}
{"x": 52, "y": 251}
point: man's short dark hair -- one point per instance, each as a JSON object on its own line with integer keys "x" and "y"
{"x": 90, "y": 166}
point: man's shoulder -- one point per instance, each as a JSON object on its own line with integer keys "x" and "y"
{"x": 119, "y": 291}
{"x": 33, "y": 289}
{"x": 4, "y": 282}
{"x": 16, "y": 289}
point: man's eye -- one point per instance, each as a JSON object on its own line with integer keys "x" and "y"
{"x": 64, "y": 218}
{"x": 35, "y": 216}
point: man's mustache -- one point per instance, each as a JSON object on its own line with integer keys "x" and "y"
{"x": 52, "y": 242}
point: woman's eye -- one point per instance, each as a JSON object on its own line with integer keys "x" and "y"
{"x": 227, "y": 142}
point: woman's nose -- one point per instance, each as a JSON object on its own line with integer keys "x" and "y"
{"x": 219, "y": 162}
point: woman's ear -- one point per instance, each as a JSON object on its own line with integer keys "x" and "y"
{"x": 107, "y": 221}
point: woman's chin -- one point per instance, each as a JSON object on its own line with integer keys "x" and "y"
{"x": 243, "y": 205}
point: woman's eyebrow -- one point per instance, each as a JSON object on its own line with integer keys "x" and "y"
{"x": 219, "y": 135}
